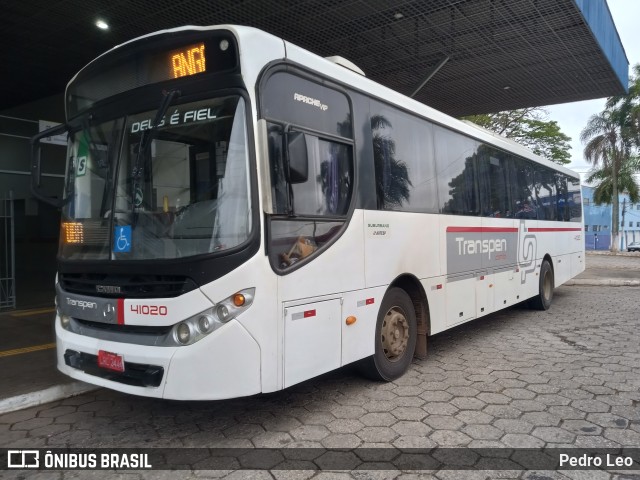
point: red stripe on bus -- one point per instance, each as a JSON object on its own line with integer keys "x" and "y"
{"x": 555, "y": 229}
{"x": 120, "y": 311}
{"x": 309, "y": 313}
{"x": 481, "y": 229}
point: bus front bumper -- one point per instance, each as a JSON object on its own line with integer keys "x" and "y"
{"x": 225, "y": 364}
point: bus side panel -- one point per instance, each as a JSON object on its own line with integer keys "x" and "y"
{"x": 396, "y": 243}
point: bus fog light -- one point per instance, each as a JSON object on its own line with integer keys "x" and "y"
{"x": 223, "y": 313}
{"x": 65, "y": 320}
{"x": 183, "y": 333}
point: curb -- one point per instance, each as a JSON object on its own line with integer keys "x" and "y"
{"x": 603, "y": 283}
{"x": 51, "y": 394}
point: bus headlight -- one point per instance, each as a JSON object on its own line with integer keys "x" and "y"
{"x": 183, "y": 333}
{"x": 199, "y": 326}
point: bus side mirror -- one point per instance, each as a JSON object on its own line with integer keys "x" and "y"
{"x": 36, "y": 167}
{"x": 297, "y": 157}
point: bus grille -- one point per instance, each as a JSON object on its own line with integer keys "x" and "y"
{"x": 126, "y": 286}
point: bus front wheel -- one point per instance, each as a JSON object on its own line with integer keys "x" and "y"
{"x": 395, "y": 338}
{"x": 542, "y": 301}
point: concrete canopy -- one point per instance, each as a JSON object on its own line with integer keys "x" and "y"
{"x": 496, "y": 54}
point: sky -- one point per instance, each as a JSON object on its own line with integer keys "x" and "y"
{"x": 572, "y": 117}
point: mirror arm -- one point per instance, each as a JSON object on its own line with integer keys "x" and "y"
{"x": 36, "y": 173}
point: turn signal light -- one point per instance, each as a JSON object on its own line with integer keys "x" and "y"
{"x": 350, "y": 320}
{"x": 238, "y": 300}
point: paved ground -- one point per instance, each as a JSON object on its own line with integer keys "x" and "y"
{"x": 625, "y": 266}
{"x": 518, "y": 378}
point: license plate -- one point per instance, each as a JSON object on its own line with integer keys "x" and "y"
{"x": 110, "y": 361}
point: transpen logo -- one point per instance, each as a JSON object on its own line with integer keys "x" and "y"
{"x": 474, "y": 247}
{"x": 81, "y": 303}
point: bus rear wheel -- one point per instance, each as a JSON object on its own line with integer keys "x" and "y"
{"x": 542, "y": 301}
{"x": 395, "y": 338}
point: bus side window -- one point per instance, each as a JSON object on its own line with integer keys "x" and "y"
{"x": 457, "y": 173}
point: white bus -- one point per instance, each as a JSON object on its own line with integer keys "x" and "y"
{"x": 240, "y": 215}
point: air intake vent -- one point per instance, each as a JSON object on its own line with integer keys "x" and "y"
{"x": 126, "y": 286}
{"x": 343, "y": 62}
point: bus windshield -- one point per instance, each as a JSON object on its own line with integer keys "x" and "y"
{"x": 180, "y": 192}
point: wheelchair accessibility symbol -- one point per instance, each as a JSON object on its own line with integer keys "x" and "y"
{"x": 122, "y": 239}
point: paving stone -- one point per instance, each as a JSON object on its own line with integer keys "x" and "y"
{"x": 409, "y": 413}
{"x": 272, "y": 440}
{"x": 411, "y": 429}
{"x": 436, "y": 396}
{"x": 377, "y": 434}
{"x": 519, "y": 393}
{"x": 57, "y": 411}
{"x": 513, "y": 426}
{"x": 450, "y": 438}
{"x": 408, "y": 391}
{"x": 345, "y": 426}
{"x": 466, "y": 403}
{"x": 341, "y": 440}
{"x": 581, "y": 427}
{"x": 519, "y": 440}
{"x": 348, "y": 412}
{"x": 378, "y": 406}
{"x": 418, "y": 441}
{"x": 439, "y": 408}
{"x": 567, "y": 413}
{"x": 483, "y": 432}
{"x": 543, "y": 419}
{"x": 31, "y": 423}
{"x": 310, "y": 432}
{"x": 473, "y": 417}
{"x": 443, "y": 422}
{"x": 543, "y": 388}
{"x": 494, "y": 398}
{"x": 626, "y": 438}
{"x": 378, "y": 419}
{"x": 576, "y": 394}
{"x": 528, "y": 405}
{"x": 502, "y": 411}
{"x": 590, "y": 406}
{"x": 553, "y": 435}
{"x": 459, "y": 391}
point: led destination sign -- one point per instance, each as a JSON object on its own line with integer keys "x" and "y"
{"x": 152, "y": 60}
{"x": 188, "y": 61}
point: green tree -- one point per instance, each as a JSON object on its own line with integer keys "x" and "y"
{"x": 529, "y": 127}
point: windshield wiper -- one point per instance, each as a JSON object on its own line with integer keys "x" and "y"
{"x": 145, "y": 141}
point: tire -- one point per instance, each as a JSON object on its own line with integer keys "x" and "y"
{"x": 395, "y": 338}
{"x": 542, "y": 301}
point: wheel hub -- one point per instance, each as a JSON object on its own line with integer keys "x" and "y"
{"x": 394, "y": 333}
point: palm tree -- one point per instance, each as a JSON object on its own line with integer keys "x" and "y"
{"x": 607, "y": 145}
